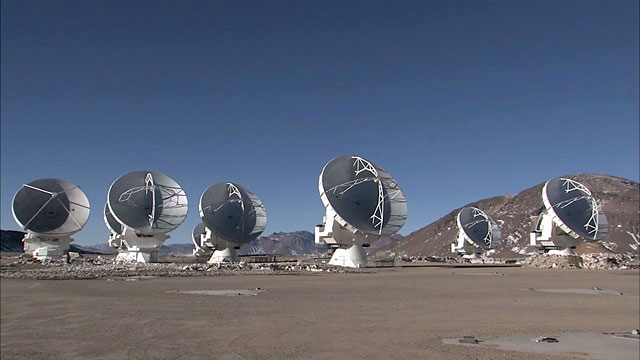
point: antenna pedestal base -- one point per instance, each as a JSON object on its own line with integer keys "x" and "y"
{"x": 465, "y": 250}
{"x": 44, "y": 247}
{"x": 222, "y": 256}
{"x": 200, "y": 252}
{"x": 353, "y": 257}
{"x": 115, "y": 240}
{"x": 550, "y": 239}
{"x": 135, "y": 254}
{"x": 136, "y": 247}
{"x": 564, "y": 252}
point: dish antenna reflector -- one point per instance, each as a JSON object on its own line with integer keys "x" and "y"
{"x": 196, "y": 237}
{"x": 232, "y": 216}
{"x": 50, "y": 211}
{"x": 363, "y": 203}
{"x": 476, "y": 232}
{"x": 115, "y": 228}
{"x": 147, "y": 205}
{"x": 570, "y": 215}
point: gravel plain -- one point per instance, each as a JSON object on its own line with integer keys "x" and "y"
{"x": 391, "y": 313}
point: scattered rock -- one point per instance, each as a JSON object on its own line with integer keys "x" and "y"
{"x": 87, "y": 267}
{"x": 599, "y": 261}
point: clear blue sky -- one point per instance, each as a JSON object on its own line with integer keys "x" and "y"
{"x": 458, "y": 100}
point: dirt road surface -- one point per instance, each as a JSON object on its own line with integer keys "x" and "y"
{"x": 391, "y": 314}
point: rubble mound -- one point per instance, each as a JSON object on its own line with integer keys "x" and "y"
{"x": 599, "y": 261}
{"x": 610, "y": 261}
{"x": 79, "y": 267}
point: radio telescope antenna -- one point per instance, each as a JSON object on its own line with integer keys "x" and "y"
{"x": 115, "y": 228}
{"x": 571, "y": 215}
{"x": 477, "y": 232}
{"x": 200, "y": 249}
{"x": 232, "y": 216}
{"x": 363, "y": 203}
{"x": 50, "y": 211}
{"x": 146, "y": 205}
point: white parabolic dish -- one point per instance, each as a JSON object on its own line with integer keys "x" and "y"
{"x": 51, "y": 207}
{"x": 147, "y": 202}
{"x": 112, "y": 224}
{"x": 363, "y": 196}
{"x": 232, "y": 212}
{"x": 574, "y": 209}
{"x": 363, "y": 204}
{"x": 479, "y": 228}
{"x": 197, "y": 232}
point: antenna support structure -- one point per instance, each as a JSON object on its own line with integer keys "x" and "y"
{"x": 550, "y": 238}
{"x": 363, "y": 204}
{"x": 50, "y": 211}
{"x": 46, "y": 248}
{"x": 216, "y": 247}
{"x": 142, "y": 207}
{"x": 231, "y": 217}
{"x": 345, "y": 240}
{"x": 134, "y": 246}
{"x": 570, "y": 216}
{"x": 477, "y": 232}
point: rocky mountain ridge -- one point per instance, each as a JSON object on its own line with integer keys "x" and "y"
{"x": 620, "y": 199}
{"x": 281, "y": 243}
{"x": 292, "y": 243}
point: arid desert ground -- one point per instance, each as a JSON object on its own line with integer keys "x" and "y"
{"x": 393, "y": 313}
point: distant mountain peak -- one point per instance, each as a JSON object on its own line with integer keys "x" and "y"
{"x": 284, "y": 243}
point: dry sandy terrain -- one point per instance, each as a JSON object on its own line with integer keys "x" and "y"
{"x": 391, "y": 314}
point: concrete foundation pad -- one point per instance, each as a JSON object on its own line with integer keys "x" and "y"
{"x": 584, "y": 345}
{"x": 482, "y": 273}
{"x": 579, "y": 291}
{"x": 231, "y": 292}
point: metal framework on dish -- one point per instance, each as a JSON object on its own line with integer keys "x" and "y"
{"x": 571, "y": 215}
{"x": 231, "y": 216}
{"x": 142, "y": 207}
{"x": 50, "y": 211}
{"x": 363, "y": 203}
{"x": 477, "y": 232}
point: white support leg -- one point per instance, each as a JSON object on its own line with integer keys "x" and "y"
{"x": 134, "y": 254}
{"x": 353, "y": 257}
{"x": 141, "y": 248}
{"x": 564, "y": 252}
{"x": 221, "y": 256}
{"x": 550, "y": 238}
{"x": 44, "y": 247}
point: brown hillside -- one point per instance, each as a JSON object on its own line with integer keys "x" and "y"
{"x": 619, "y": 197}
